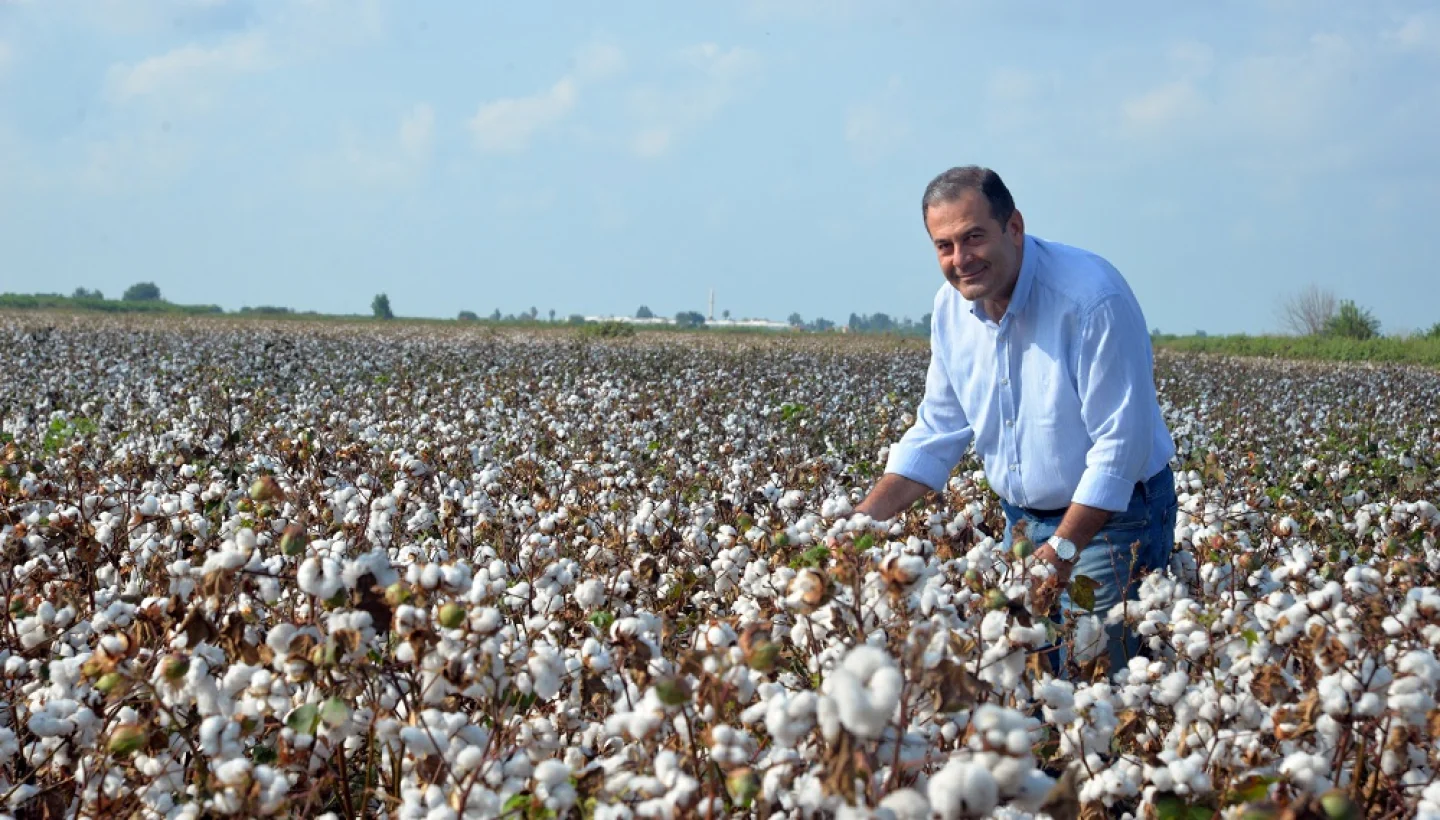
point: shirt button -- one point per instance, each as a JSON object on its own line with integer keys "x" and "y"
{"x": 1004, "y": 381}
{"x": 1014, "y": 467}
{"x": 1009, "y": 422}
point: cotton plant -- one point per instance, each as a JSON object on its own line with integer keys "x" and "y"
{"x": 308, "y": 569}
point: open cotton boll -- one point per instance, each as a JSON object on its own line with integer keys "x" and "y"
{"x": 590, "y": 594}
{"x": 866, "y": 690}
{"x": 906, "y": 804}
{"x": 1091, "y": 640}
{"x": 320, "y": 577}
{"x": 963, "y": 789}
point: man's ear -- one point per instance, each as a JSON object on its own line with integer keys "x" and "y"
{"x": 1016, "y": 223}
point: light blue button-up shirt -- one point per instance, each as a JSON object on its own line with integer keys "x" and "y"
{"x": 1058, "y": 397}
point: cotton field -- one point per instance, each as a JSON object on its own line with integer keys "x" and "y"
{"x": 417, "y": 571}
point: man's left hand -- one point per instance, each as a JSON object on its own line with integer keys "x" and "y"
{"x": 1046, "y": 553}
{"x": 1045, "y": 593}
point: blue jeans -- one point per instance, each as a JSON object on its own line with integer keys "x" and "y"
{"x": 1132, "y": 543}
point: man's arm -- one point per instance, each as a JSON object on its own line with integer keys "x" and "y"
{"x": 922, "y": 459}
{"x": 1115, "y": 381}
{"x": 1079, "y": 525}
{"x": 891, "y": 495}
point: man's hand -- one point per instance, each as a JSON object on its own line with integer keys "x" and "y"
{"x": 1080, "y": 524}
{"x": 891, "y": 495}
{"x": 1046, "y": 554}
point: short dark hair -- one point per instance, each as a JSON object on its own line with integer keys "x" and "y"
{"x": 949, "y": 185}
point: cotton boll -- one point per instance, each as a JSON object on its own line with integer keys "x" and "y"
{"x": 590, "y": 594}
{"x": 906, "y": 804}
{"x": 866, "y": 690}
{"x": 962, "y": 790}
{"x": 1091, "y": 640}
{"x": 320, "y": 577}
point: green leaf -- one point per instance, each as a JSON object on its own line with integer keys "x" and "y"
{"x": 1251, "y": 637}
{"x": 334, "y": 712}
{"x": 1170, "y": 807}
{"x": 864, "y": 542}
{"x": 263, "y": 755}
{"x": 1250, "y": 790}
{"x": 603, "y": 619}
{"x": 304, "y": 719}
{"x": 1082, "y": 592}
{"x": 518, "y": 802}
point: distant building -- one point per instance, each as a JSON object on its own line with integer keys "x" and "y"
{"x": 654, "y": 320}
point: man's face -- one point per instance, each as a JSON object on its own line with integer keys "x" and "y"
{"x": 979, "y": 256}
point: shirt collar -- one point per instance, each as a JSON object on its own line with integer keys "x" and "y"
{"x": 1029, "y": 266}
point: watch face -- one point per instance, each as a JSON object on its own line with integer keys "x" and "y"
{"x": 1064, "y": 549}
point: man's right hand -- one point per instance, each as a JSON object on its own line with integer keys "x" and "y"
{"x": 892, "y": 494}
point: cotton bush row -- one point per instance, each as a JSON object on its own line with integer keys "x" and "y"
{"x": 426, "y": 573}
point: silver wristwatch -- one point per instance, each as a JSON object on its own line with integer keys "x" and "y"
{"x": 1064, "y": 548}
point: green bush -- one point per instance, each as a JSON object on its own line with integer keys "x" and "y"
{"x": 608, "y": 329}
{"x": 1352, "y": 322}
{"x": 1414, "y": 350}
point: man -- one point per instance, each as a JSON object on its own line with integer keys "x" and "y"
{"x": 1040, "y": 356}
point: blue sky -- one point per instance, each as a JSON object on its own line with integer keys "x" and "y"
{"x": 593, "y": 157}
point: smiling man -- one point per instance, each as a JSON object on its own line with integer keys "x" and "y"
{"x": 1040, "y": 357}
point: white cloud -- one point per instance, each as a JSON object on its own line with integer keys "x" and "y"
{"x": 652, "y": 142}
{"x": 877, "y": 126}
{"x": 1271, "y": 97}
{"x": 398, "y": 161}
{"x": 189, "y": 71}
{"x": 128, "y": 162}
{"x": 807, "y": 11}
{"x": 507, "y": 125}
{"x": 417, "y": 132}
{"x": 599, "y": 61}
{"x": 715, "y": 77}
{"x": 1419, "y": 32}
{"x": 1161, "y": 108}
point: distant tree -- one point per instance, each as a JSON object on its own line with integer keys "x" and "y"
{"x": 495, "y": 317}
{"x": 644, "y": 313}
{"x": 1433, "y": 332}
{"x": 689, "y": 318}
{"x": 795, "y": 320}
{"x": 142, "y": 292}
{"x": 1308, "y": 312}
{"x": 725, "y": 314}
{"x": 1352, "y": 322}
{"x": 534, "y": 313}
{"x": 380, "y": 307}
{"x": 821, "y": 324}
{"x": 576, "y": 319}
{"x": 81, "y": 293}
{"x": 552, "y": 314}
{"x": 1200, "y": 334}
{"x": 468, "y": 316}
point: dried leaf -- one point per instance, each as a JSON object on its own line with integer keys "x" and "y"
{"x": 1082, "y": 592}
{"x": 1063, "y": 801}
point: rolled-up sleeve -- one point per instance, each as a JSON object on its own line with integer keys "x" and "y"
{"x": 1114, "y": 377}
{"x": 937, "y": 440}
